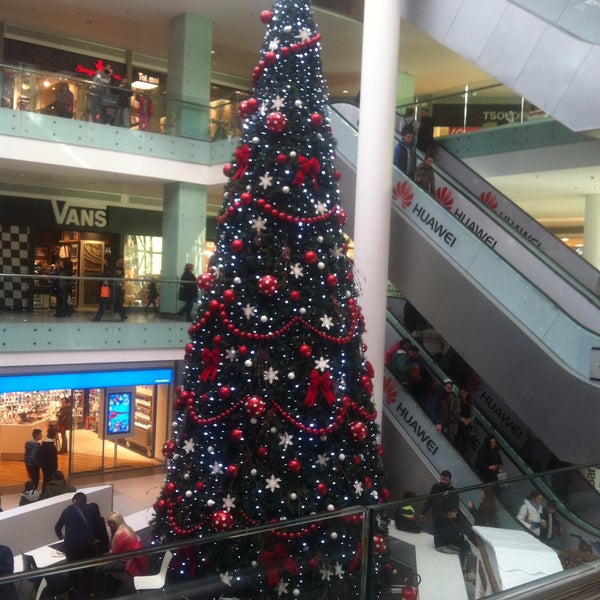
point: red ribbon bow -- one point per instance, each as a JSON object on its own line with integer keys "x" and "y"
{"x": 242, "y": 157}
{"x": 271, "y": 561}
{"x": 319, "y": 383}
{"x": 309, "y": 167}
{"x": 211, "y": 360}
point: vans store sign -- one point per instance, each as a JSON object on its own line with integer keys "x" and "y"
{"x": 67, "y": 215}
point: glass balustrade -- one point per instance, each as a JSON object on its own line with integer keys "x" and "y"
{"x": 148, "y": 109}
{"x": 482, "y": 107}
{"x": 516, "y": 538}
{"x": 36, "y": 295}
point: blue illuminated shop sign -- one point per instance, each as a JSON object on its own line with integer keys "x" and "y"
{"x": 83, "y": 380}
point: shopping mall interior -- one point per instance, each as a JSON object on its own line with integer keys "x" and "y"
{"x": 495, "y": 279}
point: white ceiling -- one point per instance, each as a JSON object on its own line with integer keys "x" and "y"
{"x": 237, "y": 37}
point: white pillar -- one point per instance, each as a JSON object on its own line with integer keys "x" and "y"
{"x": 379, "y": 70}
{"x": 591, "y": 230}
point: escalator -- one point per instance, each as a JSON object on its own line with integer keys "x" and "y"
{"x": 521, "y": 42}
{"x": 409, "y": 430}
{"x": 519, "y": 319}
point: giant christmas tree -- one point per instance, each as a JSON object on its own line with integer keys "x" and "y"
{"x": 274, "y": 420}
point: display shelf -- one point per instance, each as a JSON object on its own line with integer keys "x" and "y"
{"x": 143, "y": 416}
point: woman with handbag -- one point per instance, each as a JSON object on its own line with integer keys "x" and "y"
{"x": 489, "y": 462}
{"x": 106, "y": 291}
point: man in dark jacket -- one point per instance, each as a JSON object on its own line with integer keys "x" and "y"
{"x": 405, "y": 157}
{"x": 188, "y": 291}
{"x": 79, "y": 523}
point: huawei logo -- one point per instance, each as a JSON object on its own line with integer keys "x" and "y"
{"x": 403, "y": 193}
{"x": 489, "y": 199}
{"x": 444, "y": 197}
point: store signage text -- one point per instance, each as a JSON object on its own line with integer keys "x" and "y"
{"x": 520, "y": 229}
{"x": 504, "y": 419}
{"x": 145, "y": 78}
{"x": 98, "y": 66}
{"x": 510, "y": 116}
{"x": 419, "y": 431}
{"x": 436, "y": 227}
{"x": 78, "y": 216}
{"x": 478, "y": 230}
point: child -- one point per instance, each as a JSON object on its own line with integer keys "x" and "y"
{"x": 29, "y": 494}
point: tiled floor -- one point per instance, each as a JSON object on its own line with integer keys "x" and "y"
{"x": 131, "y": 494}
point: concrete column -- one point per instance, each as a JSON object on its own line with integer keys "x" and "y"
{"x": 189, "y": 69}
{"x": 591, "y": 230}
{"x": 379, "y": 71}
{"x": 184, "y": 236}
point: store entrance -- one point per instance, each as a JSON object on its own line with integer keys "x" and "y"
{"x": 98, "y": 430}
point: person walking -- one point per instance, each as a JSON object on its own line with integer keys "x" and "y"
{"x": 32, "y": 457}
{"x": 48, "y": 457}
{"x": 188, "y": 292}
{"x": 106, "y": 290}
{"x": 64, "y": 423}
{"x": 119, "y": 289}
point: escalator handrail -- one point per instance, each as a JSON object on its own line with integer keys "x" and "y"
{"x": 571, "y": 283}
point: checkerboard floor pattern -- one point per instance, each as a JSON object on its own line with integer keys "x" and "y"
{"x": 14, "y": 259}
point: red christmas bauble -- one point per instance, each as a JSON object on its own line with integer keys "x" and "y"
{"x": 358, "y": 431}
{"x": 246, "y": 198}
{"x": 337, "y": 175}
{"x": 294, "y": 466}
{"x": 385, "y": 494}
{"x": 237, "y": 435}
{"x": 254, "y": 406}
{"x": 229, "y": 296}
{"x": 252, "y": 104}
{"x": 199, "y": 485}
{"x": 276, "y": 122}
{"x": 170, "y": 488}
{"x": 233, "y": 471}
{"x": 268, "y": 285}
{"x": 266, "y": 16}
{"x": 322, "y": 489}
{"x": 342, "y": 216}
{"x": 160, "y": 505}
{"x": 332, "y": 280}
{"x": 205, "y": 281}
{"x": 262, "y": 451}
{"x": 227, "y": 170}
{"x": 310, "y": 257}
{"x": 237, "y": 246}
{"x": 379, "y": 544}
{"x": 169, "y": 448}
{"x": 295, "y": 295}
{"x": 222, "y": 520}
{"x": 243, "y": 109}
{"x": 305, "y": 351}
{"x": 224, "y": 392}
{"x": 281, "y": 159}
{"x": 316, "y": 119}
{"x": 270, "y": 58}
{"x": 243, "y": 351}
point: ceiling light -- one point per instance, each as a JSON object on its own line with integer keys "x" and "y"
{"x": 564, "y": 239}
